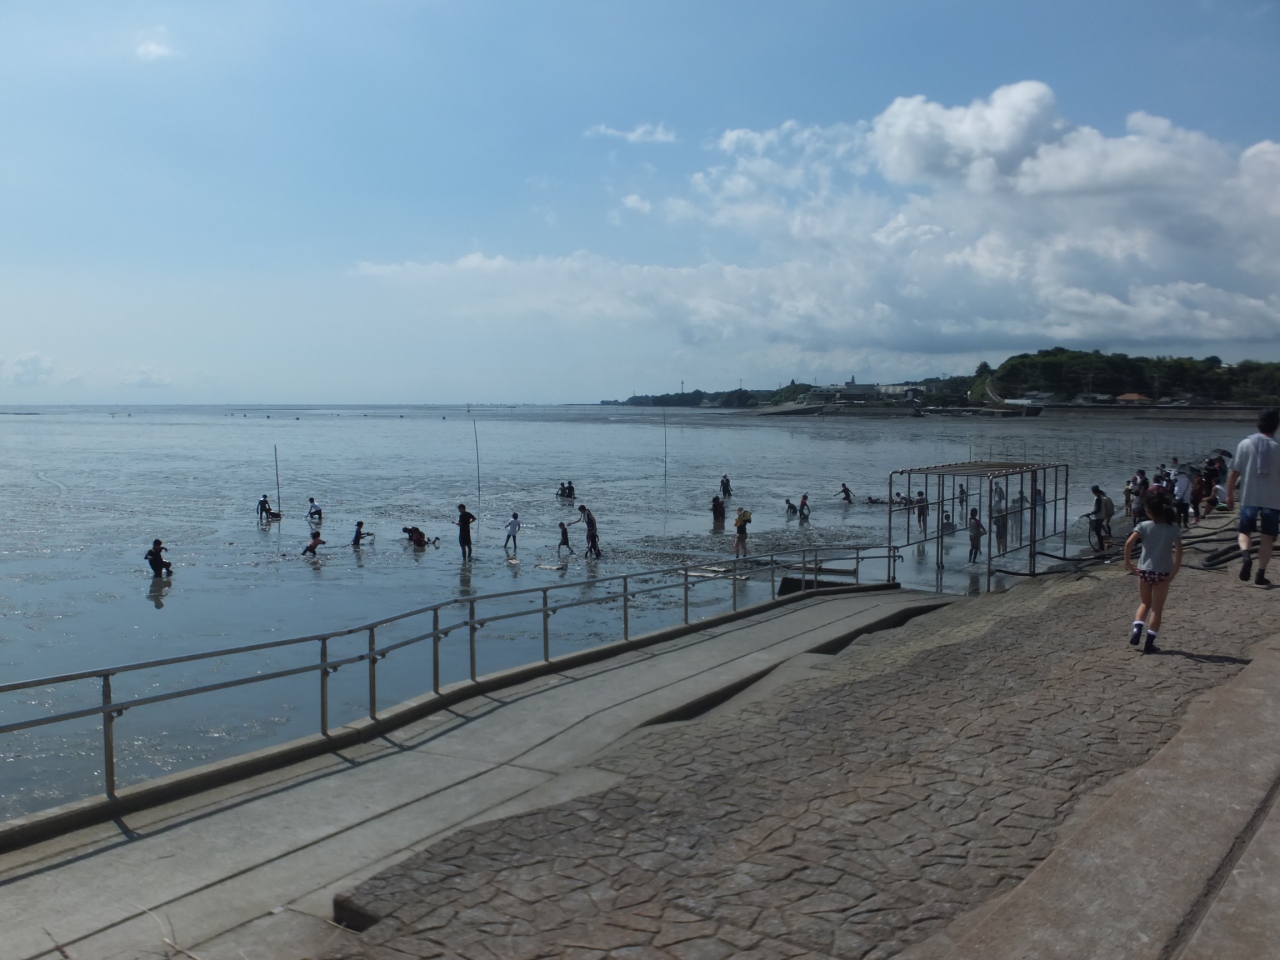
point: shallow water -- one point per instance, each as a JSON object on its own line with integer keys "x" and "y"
{"x": 86, "y": 489}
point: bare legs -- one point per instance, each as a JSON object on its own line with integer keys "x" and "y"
{"x": 1152, "y": 597}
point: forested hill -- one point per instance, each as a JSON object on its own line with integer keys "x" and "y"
{"x": 1069, "y": 373}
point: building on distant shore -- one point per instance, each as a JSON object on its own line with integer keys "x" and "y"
{"x": 1132, "y": 398}
{"x": 852, "y": 392}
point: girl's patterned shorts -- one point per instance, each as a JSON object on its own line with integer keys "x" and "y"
{"x": 1152, "y": 576}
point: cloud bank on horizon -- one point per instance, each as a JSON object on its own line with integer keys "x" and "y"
{"x": 919, "y": 241}
{"x": 527, "y": 203}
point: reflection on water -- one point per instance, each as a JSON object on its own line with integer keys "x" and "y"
{"x": 158, "y": 591}
{"x": 88, "y": 489}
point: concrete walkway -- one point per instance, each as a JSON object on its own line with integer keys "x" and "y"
{"x": 1005, "y": 778}
{"x": 250, "y": 871}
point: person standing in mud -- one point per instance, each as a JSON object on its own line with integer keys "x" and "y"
{"x": 463, "y": 523}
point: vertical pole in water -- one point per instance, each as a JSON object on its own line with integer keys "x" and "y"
{"x": 686, "y": 595}
{"x": 108, "y": 740}
{"x": 476, "y": 433}
{"x": 773, "y": 579}
{"x": 664, "y": 446}
{"x": 279, "y": 506}
{"x": 626, "y": 611}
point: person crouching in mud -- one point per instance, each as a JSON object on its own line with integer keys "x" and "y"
{"x": 160, "y": 567}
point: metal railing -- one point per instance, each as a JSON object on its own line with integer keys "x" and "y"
{"x": 684, "y": 579}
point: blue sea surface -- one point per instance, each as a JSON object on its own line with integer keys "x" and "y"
{"x": 86, "y": 489}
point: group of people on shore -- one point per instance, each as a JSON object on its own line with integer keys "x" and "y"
{"x": 1160, "y": 507}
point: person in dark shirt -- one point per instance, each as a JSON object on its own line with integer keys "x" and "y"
{"x": 717, "y": 512}
{"x": 569, "y": 491}
{"x": 463, "y": 523}
{"x": 160, "y": 567}
{"x": 264, "y": 508}
{"x": 359, "y": 534}
{"x": 845, "y": 492}
{"x": 593, "y": 532}
{"x": 564, "y": 539}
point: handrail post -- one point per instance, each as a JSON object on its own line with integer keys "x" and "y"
{"x": 626, "y": 611}
{"x": 435, "y": 650}
{"x": 773, "y": 578}
{"x": 324, "y": 687}
{"x": 108, "y": 740}
{"x": 471, "y": 607}
{"x": 686, "y": 596}
{"x": 546, "y": 629}
{"x": 373, "y": 676}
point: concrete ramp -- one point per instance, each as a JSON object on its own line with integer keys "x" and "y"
{"x": 250, "y": 870}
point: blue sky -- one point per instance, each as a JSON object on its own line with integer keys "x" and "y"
{"x": 434, "y": 202}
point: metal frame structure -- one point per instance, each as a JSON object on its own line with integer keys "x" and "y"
{"x": 685, "y": 578}
{"x": 1021, "y": 504}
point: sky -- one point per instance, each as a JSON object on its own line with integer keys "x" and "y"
{"x": 412, "y": 201}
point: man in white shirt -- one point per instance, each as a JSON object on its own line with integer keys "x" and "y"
{"x": 1256, "y": 468}
{"x": 1182, "y": 493}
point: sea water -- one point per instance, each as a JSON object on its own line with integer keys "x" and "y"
{"x": 87, "y": 489}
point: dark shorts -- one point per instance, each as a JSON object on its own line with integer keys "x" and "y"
{"x": 1270, "y": 517}
{"x": 1152, "y": 576}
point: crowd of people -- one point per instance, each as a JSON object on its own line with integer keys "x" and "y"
{"x": 1172, "y": 499}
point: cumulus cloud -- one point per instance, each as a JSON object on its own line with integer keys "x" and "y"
{"x": 641, "y": 133}
{"x": 154, "y": 45}
{"x": 917, "y": 240}
{"x": 28, "y": 370}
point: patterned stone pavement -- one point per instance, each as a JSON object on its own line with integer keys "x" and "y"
{"x": 847, "y": 812}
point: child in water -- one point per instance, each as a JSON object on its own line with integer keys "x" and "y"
{"x": 315, "y": 542}
{"x": 513, "y": 528}
{"x": 1161, "y": 538}
{"x": 160, "y": 567}
{"x": 976, "y": 532}
{"x": 564, "y": 539}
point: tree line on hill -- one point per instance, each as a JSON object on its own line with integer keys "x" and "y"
{"x": 1068, "y": 374}
{"x": 1065, "y": 374}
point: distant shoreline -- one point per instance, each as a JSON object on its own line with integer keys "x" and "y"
{"x": 1059, "y": 411}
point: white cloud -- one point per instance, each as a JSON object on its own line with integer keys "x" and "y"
{"x": 145, "y": 380}
{"x": 28, "y": 370}
{"x": 642, "y": 133}
{"x": 915, "y": 242}
{"x": 154, "y": 44}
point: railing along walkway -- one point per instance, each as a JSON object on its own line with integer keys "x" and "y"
{"x": 684, "y": 578}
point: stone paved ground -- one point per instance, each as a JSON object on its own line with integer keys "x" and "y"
{"x": 854, "y": 811}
